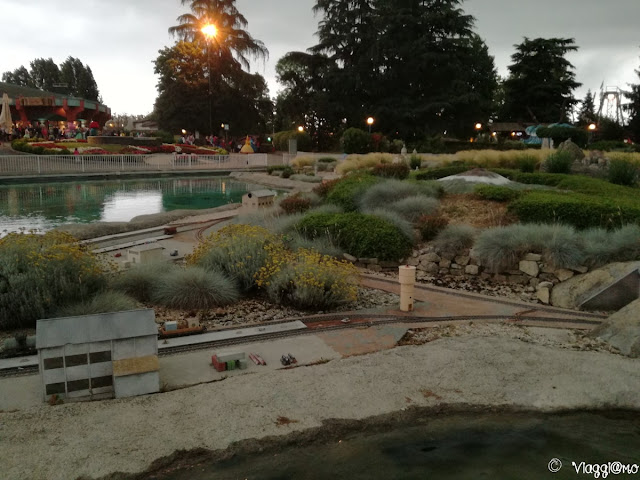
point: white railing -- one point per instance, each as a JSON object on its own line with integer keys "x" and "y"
{"x": 17, "y": 165}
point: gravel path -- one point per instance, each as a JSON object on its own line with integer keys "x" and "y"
{"x": 99, "y": 438}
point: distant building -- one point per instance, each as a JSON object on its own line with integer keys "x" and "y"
{"x": 258, "y": 199}
{"x": 30, "y": 105}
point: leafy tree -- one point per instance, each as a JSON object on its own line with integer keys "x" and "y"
{"x": 20, "y": 76}
{"x": 587, "y": 113}
{"x": 240, "y": 99}
{"x": 541, "y": 81}
{"x": 305, "y": 99}
{"x": 633, "y": 108}
{"x": 45, "y": 74}
{"x": 79, "y": 79}
{"x": 232, "y": 42}
{"x": 384, "y": 62}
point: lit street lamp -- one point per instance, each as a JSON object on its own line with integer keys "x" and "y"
{"x": 370, "y": 121}
{"x": 301, "y": 129}
{"x": 592, "y": 128}
{"x": 478, "y": 126}
{"x": 210, "y": 31}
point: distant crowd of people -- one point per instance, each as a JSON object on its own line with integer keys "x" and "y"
{"x": 231, "y": 145}
{"x": 44, "y": 132}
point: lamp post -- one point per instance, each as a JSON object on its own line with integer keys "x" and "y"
{"x": 370, "y": 121}
{"x": 592, "y": 128}
{"x": 210, "y": 31}
{"x": 301, "y": 129}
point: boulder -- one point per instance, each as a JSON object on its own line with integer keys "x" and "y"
{"x": 529, "y": 267}
{"x": 574, "y": 150}
{"x": 533, "y": 257}
{"x": 349, "y": 258}
{"x": 413, "y": 261}
{"x": 462, "y": 260}
{"x": 430, "y": 257}
{"x": 471, "y": 270}
{"x": 563, "y": 274}
{"x": 622, "y": 330}
{"x": 430, "y": 267}
{"x": 572, "y": 293}
{"x": 445, "y": 263}
{"x": 543, "y": 294}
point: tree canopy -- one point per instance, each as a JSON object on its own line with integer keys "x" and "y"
{"x": 416, "y": 66}
{"x": 238, "y": 98}
{"x": 541, "y": 81}
{"x": 72, "y": 77}
{"x": 633, "y": 109}
{"x": 587, "y": 113}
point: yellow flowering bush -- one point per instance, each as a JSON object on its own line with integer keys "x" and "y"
{"x": 314, "y": 281}
{"x": 240, "y": 251}
{"x": 39, "y": 274}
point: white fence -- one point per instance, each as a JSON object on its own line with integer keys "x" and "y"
{"x": 18, "y": 165}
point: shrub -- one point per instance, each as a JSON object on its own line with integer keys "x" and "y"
{"x": 396, "y": 146}
{"x": 301, "y": 162}
{"x": 577, "y": 209}
{"x": 195, "y": 287}
{"x": 559, "y": 162}
{"x": 560, "y": 134}
{"x": 364, "y": 236}
{"x": 393, "y": 170}
{"x": 527, "y": 163}
{"x": 276, "y": 168}
{"x": 103, "y": 302}
{"x": 415, "y": 162}
{"x": 40, "y": 274}
{"x": 355, "y": 140}
{"x": 139, "y": 281}
{"x": 412, "y": 208}
{"x": 314, "y": 281}
{"x": 347, "y": 192}
{"x": 284, "y": 224}
{"x": 363, "y": 162}
{"x": 382, "y": 194}
{"x": 622, "y": 172}
{"x": 453, "y": 239}
{"x": 609, "y": 145}
{"x": 281, "y": 140}
{"x": 287, "y": 172}
{"x": 326, "y": 167}
{"x": 239, "y": 251}
{"x": 325, "y": 187}
{"x": 295, "y": 204}
{"x": 497, "y": 193}
{"x": 165, "y": 137}
{"x": 430, "y": 225}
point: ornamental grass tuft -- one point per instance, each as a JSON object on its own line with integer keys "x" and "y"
{"x": 103, "y": 302}
{"x": 453, "y": 239}
{"x": 195, "y": 287}
{"x": 139, "y": 281}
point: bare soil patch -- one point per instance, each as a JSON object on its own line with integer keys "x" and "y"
{"x": 470, "y": 210}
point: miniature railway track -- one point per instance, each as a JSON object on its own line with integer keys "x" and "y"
{"x": 367, "y": 320}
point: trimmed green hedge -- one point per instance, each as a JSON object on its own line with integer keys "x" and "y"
{"x": 363, "y": 236}
{"x": 577, "y": 209}
{"x": 346, "y": 192}
{"x": 497, "y": 193}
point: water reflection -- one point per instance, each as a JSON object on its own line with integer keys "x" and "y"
{"x": 45, "y": 206}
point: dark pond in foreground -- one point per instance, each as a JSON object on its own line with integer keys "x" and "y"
{"x": 44, "y": 206}
{"x": 461, "y": 447}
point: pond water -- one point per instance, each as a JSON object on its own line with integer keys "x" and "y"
{"x": 43, "y": 207}
{"x": 460, "y": 447}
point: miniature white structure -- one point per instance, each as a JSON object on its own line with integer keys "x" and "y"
{"x": 99, "y": 356}
{"x": 407, "y": 279}
{"x": 145, "y": 253}
{"x": 259, "y": 199}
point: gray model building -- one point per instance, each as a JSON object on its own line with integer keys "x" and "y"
{"x": 99, "y": 356}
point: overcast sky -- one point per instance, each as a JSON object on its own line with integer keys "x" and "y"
{"x": 119, "y": 39}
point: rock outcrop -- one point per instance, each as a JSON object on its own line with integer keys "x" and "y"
{"x": 622, "y": 330}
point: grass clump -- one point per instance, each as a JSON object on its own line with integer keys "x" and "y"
{"x": 139, "y": 281}
{"x": 559, "y": 162}
{"x": 430, "y": 226}
{"x": 363, "y": 162}
{"x": 602, "y": 246}
{"x": 307, "y": 178}
{"x": 414, "y": 207}
{"x": 399, "y": 222}
{"x": 453, "y": 239}
{"x": 103, "y": 302}
{"x": 314, "y": 281}
{"x": 323, "y": 245}
{"x": 295, "y": 204}
{"x": 195, "y": 287}
{"x": 303, "y": 161}
{"x": 399, "y": 171}
{"x": 385, "y": 193}
{"x": 622, "y": 172}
